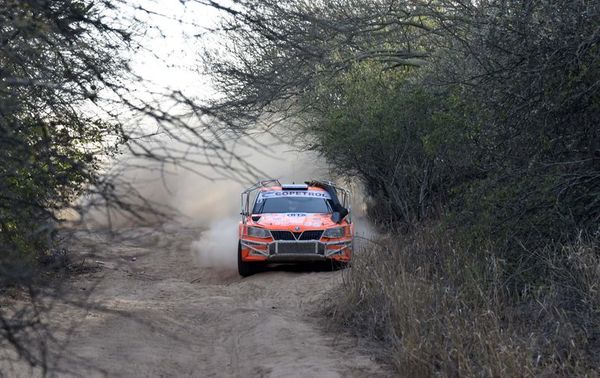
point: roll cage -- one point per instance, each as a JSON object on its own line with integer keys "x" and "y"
{"x": 249, "y": 195}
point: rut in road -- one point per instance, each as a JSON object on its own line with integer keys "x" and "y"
{"x": 155, "y": 313}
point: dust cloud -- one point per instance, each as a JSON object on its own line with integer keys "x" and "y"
{"x": 206, "y": 200}
{"x": 209, "y": 203}
{"x": 216, "y": 205}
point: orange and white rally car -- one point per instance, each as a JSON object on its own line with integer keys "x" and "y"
{"x": 294, "y": 223}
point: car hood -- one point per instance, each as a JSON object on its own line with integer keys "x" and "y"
{"x": 303, "y": 220}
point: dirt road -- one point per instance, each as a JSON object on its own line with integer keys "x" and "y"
{"x": 156, "y": 313}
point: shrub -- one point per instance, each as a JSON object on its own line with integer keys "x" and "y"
{"x": 442, "y": 310}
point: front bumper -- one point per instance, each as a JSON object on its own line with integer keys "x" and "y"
{"x": 297, "y": 250}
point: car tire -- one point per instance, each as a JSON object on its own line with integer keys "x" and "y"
{"x": 245, "y": 269}
{"x": 339, "y": 265}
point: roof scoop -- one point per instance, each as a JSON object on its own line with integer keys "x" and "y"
{"x": 294, "y": 187}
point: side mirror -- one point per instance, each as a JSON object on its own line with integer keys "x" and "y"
{"x": 336, "y": 217}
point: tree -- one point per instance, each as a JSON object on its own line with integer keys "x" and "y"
{"x": 274, "y": 51}
{"x": 69, "y": 105}
{"x": 512, "y": 88}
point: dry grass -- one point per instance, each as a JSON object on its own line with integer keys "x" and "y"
{"x": 442, "y": 311}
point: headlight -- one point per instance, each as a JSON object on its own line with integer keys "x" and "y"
{"x": 258, "y": 232}
{"x": 337, "y": 232}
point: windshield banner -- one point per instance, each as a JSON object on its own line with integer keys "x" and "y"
{"x": 292, "y": 193}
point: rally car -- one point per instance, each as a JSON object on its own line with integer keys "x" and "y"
{"x": 294, "y": 223}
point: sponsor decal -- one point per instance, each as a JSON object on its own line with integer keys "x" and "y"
{"x": 292, "y": 193}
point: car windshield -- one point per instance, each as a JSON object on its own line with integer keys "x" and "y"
{"x": 292, "y": 205}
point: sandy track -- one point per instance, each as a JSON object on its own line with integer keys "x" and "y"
{"x": 161, "y": 315}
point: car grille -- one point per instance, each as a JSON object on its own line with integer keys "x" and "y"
{"x": 306, "y": 235}
{"x": 311, "y": 235}
{"x": 282, "y": 235}
{"x": 294, "y": 248}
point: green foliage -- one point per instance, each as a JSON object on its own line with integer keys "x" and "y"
{"x": 402, "y": 140}
{"x": 534, "y": 92}
{"x": 499, "y": 136}
{"x": 52, "y": 62}
{"x": 45, "y": 168}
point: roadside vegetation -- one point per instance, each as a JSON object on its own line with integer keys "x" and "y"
{"x": 473, "y": 127}
{"x": 70, "y": 106}
{"x": 52, "y": 62}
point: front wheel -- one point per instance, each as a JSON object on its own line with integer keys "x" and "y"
{"x": 245, "y": 269}
{"x": 339, "y": 265}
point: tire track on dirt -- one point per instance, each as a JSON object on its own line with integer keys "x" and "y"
{"x": 160, "y": 315}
